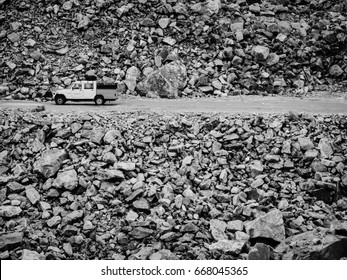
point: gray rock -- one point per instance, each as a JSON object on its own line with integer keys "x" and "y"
{"x": 227, "y": 246}
{"x": 132, "y": 75}
{"x": 111, "y": 135}
{"x": 261, "y": 52}
{"x": 32, "y": 255}
{"x": 256, "y": 168}
{"x": 236, "y": 225}
{"x": 68, "y": 249}
{"x": 260, "y": 251}
{"x": 50, "y": 162}
{"x": 164, "y": 22}
{"x": 217, "y": 229}
{"x": 319, "y": 245}
{"x": 143, "y": 254}
{"x": 15, "y": 186}
{"x": 88, "y": 225}
{"x": 131, "y": 216}
{"x": 83, "y": 22}
{"x": 125, "y": 166}
{"x": 141, "y": 232}
{"x": 164, "y": 254}
{"x": 110, "y": 174}
{"x": 118, "y": 257}
{"x": 69, "y": 230}
{"x": 339, "y": 227}
{"x": 181, "y": 8}
{"x": 167, "y": 80}
{"x": 73, "y": 216}
{"x": 325, "y": 148}
{"x": 272, "y": 59}
{"x": 142, "y": 204}
{"x": 335, "y": 71}
{"x": 305, "y": 143}
{"x": 32, "y": 194}
{"x": 8, "y": 211}
{"x": 189, "y": 227}
{"x": 10, "y": 240}
{"x": 54, "y": 221}
{"x": 270, "y": 225}
{"x": 13, "y": 37}
{"x": 213, "y": 6}
{"x": 97, "y": 134}
{"x": 66, "y": 179}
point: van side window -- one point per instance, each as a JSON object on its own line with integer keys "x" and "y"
{"x": 88, "y": 86}
{"x": 77, "y": 86}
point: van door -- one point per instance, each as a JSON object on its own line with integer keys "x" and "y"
{"x": 76, "y": 91}
{"x": 88, "y": 90}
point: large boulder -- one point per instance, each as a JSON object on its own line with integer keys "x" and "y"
{"x": 269, "y": 226}
{"x": 50, "y": 162}
{"x": 166, "y": 81}
{"x": 10, "y": 240}
{"x": 132, "y": 75}
{"x": 319, "y": 245}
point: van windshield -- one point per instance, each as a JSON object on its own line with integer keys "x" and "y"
{"x": 76, "y": 86}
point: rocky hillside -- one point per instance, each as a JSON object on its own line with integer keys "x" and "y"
{"x": 151, "y": 186}
{"x": 226, "y": 47}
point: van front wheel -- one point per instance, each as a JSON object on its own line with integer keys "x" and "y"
{"x": 60, "y": 99}
{"x": 99, "y": 100}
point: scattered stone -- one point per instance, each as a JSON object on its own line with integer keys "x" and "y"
{"x": 50, "y": 162}
{"x": 227, "y": 246}
{"x": 33, "y": 195}
{"x": 54, "y": 221}
{"x": 261, "y": 52}
{"x": 164, "y": 254}
{"x": 32, "y": 255}
{"x": 325, "y": 148}
{"x": 164, "y": 22}
{"x": 217, "y": 228}
{"x": 8, "y": 211}
{"x": 10, "y": 240}
{"x": 132, "y": 75}
{"x": 305, "y": 143}
{"x": 66, "y": 179}
{"x": 141, "y": 233}
{"x": 270, "y": 225}
{"x": 202, "y": 184}
{"x": 260, "y": 251}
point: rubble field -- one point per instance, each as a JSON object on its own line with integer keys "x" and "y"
{"x": 173, "y": 48}
{"x": 139, "y": 185}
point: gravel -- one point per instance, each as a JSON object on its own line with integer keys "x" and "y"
{"x": 179, "y": 186}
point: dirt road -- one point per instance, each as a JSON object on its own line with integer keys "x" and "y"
{"x": 236, "y": 104}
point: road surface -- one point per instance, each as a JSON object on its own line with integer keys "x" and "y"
{"x": 234, "y": 104}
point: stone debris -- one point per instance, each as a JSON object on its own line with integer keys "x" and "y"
{"x": 270, "y": 225}
{"x": 10, "y": 240}
{"x": 8, "y": 211}
{"x": 224, "y": 47}
{"x": 260, "y": 251}
{"x": 166, "y": 81}
{"x": 146, "y": 185}
{"x": 32, "y": 255}
{"x": 50, "y": 162}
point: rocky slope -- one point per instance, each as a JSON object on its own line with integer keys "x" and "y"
{"x": 226, "y": 47}
{"x": 176, "y": 186}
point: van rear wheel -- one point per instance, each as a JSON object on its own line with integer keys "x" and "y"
{"x": 99, "y": 100}
{"x": 60, "y": 99}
